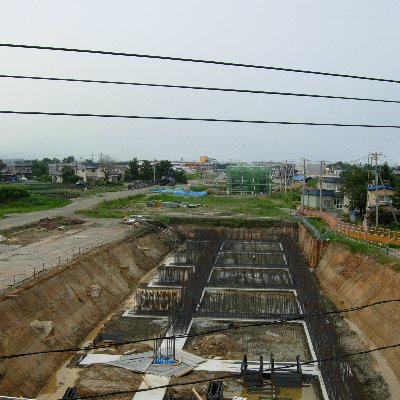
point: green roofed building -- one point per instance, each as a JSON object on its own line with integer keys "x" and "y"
{"x": 248, "y": 180}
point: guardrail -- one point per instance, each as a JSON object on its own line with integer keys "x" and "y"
{"x": 311, "y": 228}
{"x": 37, "y": 270}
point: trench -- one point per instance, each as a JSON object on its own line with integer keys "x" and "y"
{"x": 216, "y": 279}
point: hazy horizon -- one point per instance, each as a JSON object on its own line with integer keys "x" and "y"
{"x": 357, "y": 38}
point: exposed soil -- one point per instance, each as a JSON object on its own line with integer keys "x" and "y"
{"x": 285, "y": 341}
{"x": 60, "y": 309}
{"x": 100, "y": 379}
{"x": 134, "y": 328}
{"x": 186, "y": 390}
{"x": 35, "y": 233}
{"x": 351, "y": 280}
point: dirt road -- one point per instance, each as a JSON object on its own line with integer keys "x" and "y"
{"x": 14, "y": 258}
{"x": 16, "y": 220}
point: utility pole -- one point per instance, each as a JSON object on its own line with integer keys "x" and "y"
{"x": 286, "y": 165}
{"x": 154, "y": 171}
{"x": 304, "y": 183}
{"x": 320, "y": 186}
{"x": 374, "y": 157}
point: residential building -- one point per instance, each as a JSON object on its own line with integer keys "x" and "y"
{"x": 331, "y": 200}
{"x": 86, "y": 172}
{"x": 382, "y": 194}
{"x": 21, "y": 169}
{"x": 331, "y": 195}
{"x": 117, "y": 172}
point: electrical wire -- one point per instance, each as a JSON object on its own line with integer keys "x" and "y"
{"x": 206, "y": 332}
{"x": 160, "y": 118}
{"x": 169, "y": 385}
{"x": 157, "y": 85}
{"x": 194, "y": 60}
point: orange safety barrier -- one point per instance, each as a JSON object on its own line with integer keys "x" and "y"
{"x": 379, "y": 235}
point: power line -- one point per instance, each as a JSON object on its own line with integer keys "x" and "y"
{"x": 169, "y": 385}
{"x": 206, "y": 332}
{"x": 195, "y": 119}
{"x": 194, "y": 60}
{"x": 249, "y": 91}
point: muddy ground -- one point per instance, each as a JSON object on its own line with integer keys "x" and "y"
{"x": 100, "y": 379}
{"x": 285, "y": 341}
{"x": 134, "y": 328}
{"x": 233, "y": 387}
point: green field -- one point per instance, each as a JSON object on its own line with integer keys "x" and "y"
{"x": 34, "y": 202}
{"x": 262, "y": 206}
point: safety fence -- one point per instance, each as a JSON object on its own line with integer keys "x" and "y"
{"x": 374, "y": 234}
{"x": 371, "y": 236}
{"x": 65, "y": 257}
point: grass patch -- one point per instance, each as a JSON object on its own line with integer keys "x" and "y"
{"x": 33, "y": 202}
{"x": 117, "y": 208}
{"x": 359, "y": 247}
{"x": 263, "y": 206}
{"x": 319, "y": 224}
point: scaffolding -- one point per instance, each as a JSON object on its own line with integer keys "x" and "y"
{"x": 248, "y": 180}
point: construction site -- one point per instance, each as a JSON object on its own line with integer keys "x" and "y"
{"x": 184, "y": 312}
{"x": 246, "y": 179}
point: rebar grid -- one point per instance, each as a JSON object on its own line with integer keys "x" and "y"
{"x": 251, "y": 246}
{"x": 278, "y": 278}
{"x": 174, "y": 275}
{"x": 155, "y": 301}
{"x": 248, "y": 305}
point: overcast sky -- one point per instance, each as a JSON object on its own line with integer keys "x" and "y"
{"x": 348, "y": 37}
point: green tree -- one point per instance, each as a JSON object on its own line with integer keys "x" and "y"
{"x": 68, "y": 175}
{"x": 3, "y": 166}
{"x": 132, "y": 173}
{"x": 163, "y": 168}
{"x": 387, "y": 176}
{"x": 69, "y": 160}
{"x": 355, "y": 187}
{"x": 106, "y": 166}
{"x": 39, "y": 168}
{"x": 146, "y": 171}
{"x": 179, "y": 176}
{"x": 396, "y": 199}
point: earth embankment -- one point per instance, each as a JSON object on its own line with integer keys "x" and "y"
{"x": 354, "y": 279}
{"x": 59, "y": 310}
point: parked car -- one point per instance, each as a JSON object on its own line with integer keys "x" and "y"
{"x": 135, "y": 220}
{"x": 80, "y": 184}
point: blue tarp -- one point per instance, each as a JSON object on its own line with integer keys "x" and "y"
{"x": 179, "y": 191}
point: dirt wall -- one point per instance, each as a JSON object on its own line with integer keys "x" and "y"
{"x": 351, "y": 280}
{"x": 312, "y": 248}
{"x": 62, "y": 308}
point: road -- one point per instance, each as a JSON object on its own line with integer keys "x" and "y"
{"x": 15, "y": 258}
{"x": 20, "y": 219}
